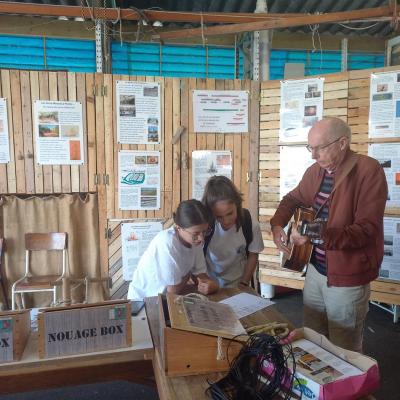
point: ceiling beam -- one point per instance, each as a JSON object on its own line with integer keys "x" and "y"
{"x": 8, "y": 7}
{"x": 290, "y": 21}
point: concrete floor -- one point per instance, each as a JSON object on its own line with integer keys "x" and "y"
{"x": 381, "y": 341}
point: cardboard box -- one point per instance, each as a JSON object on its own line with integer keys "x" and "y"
{"x": 327, "y": 372}
{"x": 184, "y": 352}
{"x": 84, "y": 328}
{"x": 15, "y": 327}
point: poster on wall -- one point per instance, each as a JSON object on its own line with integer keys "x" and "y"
{"x": 4, "y": 139}
{"x": 388, "y": 155}
{"x": 59, "y": 132}
{"x": 138, "y": 107}
{"x": 207, "y": 163}
{"x": 301, "y": 107}
{"x": 384, "y": 110}
{"x": 135, "y": 238}
{"x": 139, "y": 180}
{"x": 292, "y": 172}
{"x": 222, "y": 111}
{"x": 390, "y": 268}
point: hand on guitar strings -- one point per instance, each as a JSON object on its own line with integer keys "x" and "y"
{"x": 295, "y": 237}
{"x": 280, "y": 239}
{"x": 314, "y": 230}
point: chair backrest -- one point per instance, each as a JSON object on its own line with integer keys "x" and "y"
{"x": 46, "y": 241}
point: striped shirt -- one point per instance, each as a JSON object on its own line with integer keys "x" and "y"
{"x": 318, "y": 257}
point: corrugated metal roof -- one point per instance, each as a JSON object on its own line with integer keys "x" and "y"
{"x": 371, "y": 28}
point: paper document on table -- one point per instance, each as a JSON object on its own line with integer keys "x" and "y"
{"x": 245, "y": 304}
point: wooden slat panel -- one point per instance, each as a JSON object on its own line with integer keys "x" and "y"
{"x": 176, "y": 149}
{"x": 35, "y": 95}
{"x": 53, "y": 94}
{"x": 27, "y": 132}
{"x": 63, "y": 96}
{"x": 44, "y": 95}
{"x": 109, "y": 141}
{"x": 16, "y": 105}
{"x": 81, "y": 97}
{"x": 11, "y": 167}
{"x": 185, "y": 121}
{"x": 117, "y": 212}
{"x": 91, "y": 132}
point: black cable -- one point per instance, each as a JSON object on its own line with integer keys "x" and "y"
{"x": 248, "y": 378}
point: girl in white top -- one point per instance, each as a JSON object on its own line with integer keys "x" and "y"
{"x": 174, "y": 256}
{"x": 228, "y": 258}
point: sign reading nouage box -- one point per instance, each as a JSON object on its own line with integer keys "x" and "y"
{"x": 84, "y": 328}
{"x": 15, "y": 327}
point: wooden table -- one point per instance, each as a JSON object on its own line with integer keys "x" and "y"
{"x": 132, "y": 363}
{"x": 194, "y": 386}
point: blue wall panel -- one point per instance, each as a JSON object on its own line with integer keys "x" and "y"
{"x": 316, "y": 63}
{"x": 27, "y": 52}
{"x": 180, "y": 61}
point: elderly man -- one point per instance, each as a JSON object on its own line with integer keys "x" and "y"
{"x": 348, "y": 193}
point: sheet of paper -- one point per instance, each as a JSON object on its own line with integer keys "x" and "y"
{"x": 245, "y": 304}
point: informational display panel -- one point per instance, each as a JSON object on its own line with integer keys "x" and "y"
{"x": 224, "y": 111}
{"x": 301, "y": 107}
{"x": 135, "y": 238}
{"x": 139, "y": 180}
{"x": 138, "y": 107}
{"x": 384, "y": 110}
{"x": 293, "y": 162}
{"x": 390, "y": 268}
{"x": 207, "y": 163}
{"x": 388, "y": 155}
{"x": 4, "y": 133}
{"x": 59, "y": 132}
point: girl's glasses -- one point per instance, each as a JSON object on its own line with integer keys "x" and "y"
{"x": 196, "y": 235}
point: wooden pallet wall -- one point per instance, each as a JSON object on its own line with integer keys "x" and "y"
{"x": 347, "y": 96}
{"x": 22, "y": 175}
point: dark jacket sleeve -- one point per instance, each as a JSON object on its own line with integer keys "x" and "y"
{"x": 368, "y": 214}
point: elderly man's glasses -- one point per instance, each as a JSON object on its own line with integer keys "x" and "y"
{"x": 196, "y": 235}
{"x": 319, "y": 148}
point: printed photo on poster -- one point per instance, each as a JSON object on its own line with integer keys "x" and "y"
{"x": 59, "y": 132}
{"x": 139, "y": 180}
{"x": 138, "y": 107}
{"x": 207, "y": 163}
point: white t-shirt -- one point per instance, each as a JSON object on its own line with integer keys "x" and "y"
{"x": 226, "y": 253}
{"x": 165, "y": 262}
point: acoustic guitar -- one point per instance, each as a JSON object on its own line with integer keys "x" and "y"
{"x": 299, "y": 256}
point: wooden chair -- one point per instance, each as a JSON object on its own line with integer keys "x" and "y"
{"x": 29, "y": 283}
{"x": 2, "y": 274}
